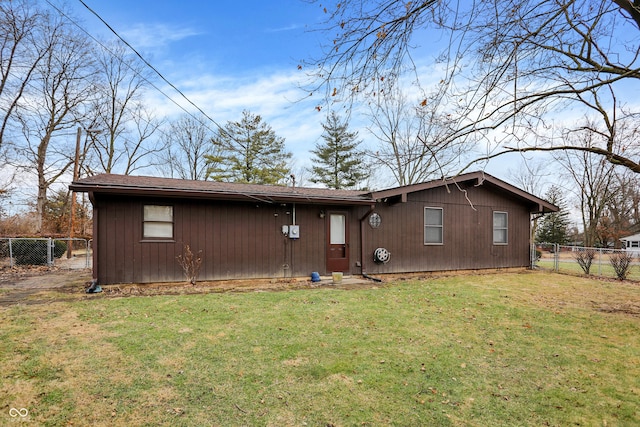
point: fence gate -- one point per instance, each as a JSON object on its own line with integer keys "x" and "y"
{"x": 59, "y": 252}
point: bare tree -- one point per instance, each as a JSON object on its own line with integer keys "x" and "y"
{"x": 413, "y": 138}
{"x": 20, "y": 53}
{"x": 622, "y": 212}
{"x": 126, "y": 126}
{"x": 593, "y": 177}
{"x": 62, "y": 83}
{"x": 530, "y": 175}
{"x": 510, "y": 67}
{"x": 187, "y": 139}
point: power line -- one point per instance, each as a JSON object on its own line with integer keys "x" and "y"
{"x": 148, "y": 64}
{"x": 128, "y": 45}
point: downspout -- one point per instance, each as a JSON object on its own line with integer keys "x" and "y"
{"x": 293, "y": 222}
{"x": 362, "y": 227}
{"x": 95, "y": 286}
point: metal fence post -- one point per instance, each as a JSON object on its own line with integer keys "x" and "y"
{"x": 10, "y": 253}
{"x": 556, "y": 257}
{"x": 600, "y": 262}
{"x": 49, "y": 252}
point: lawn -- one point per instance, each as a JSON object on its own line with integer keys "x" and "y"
{"x": 511, "y": 349}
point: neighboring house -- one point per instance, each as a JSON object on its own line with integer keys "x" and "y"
{"x": 632, "y": 244}
{"x": 240, "y": 231}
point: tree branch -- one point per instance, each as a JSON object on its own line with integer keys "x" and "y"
{"x": 612, "y": 158}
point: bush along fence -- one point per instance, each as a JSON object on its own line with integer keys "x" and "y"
{"x": 615, "y": 263}
{"x": 64, "y": 252}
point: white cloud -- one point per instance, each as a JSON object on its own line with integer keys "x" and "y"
{"x": 147, "y": 37}
{"x": 274, "y": 96}
{"x": 289, "y": 27}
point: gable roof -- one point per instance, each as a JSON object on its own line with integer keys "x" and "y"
{"x": 170, "y": 187}
{"x": 536, "y": 204}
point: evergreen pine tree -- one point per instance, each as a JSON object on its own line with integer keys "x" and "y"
{"x": 554, "y": 227}
{"x": 249, "y": 152}
{"x": 337, "y": 163}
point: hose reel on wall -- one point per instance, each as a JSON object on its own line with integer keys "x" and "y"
{"x": 381, "y": 256}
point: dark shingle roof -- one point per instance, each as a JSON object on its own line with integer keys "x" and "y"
{"x": 169, "y": 187}
{"x": 127, "y": 184}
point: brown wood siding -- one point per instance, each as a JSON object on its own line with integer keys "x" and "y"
{"x": 234, "y": 239}
{"x": 467, "y": 232}
{"x": 245, "y": 240}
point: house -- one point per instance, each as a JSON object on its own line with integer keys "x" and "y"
{"x": 141, "y": 225}
{"x": 632, "y": 244}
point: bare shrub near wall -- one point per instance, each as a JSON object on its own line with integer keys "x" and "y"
{"x": 190, "y": 264}
{"x": 585, "y": 257}
{"x": 621, "y": 263}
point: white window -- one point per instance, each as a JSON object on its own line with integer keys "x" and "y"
{"x": 500, "y": 228}
{"x": 158, "y": 222}
{"x": 433, "y": 226}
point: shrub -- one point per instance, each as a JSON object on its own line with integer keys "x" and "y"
{"x": 4, "y": 248}
{"x": 190, "y": 264}
{"x": 585, "y": 258}
{"x": 621, "y": 263}
{"x": 34, "y": 251}
{"x": 59, "y": 248}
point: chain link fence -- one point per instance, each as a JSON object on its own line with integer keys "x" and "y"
{"x": 603, "y": 262}
{"x": 59, "y": 252}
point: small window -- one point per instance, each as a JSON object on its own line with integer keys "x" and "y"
{"x": 338, "y": 229}
{"x": 500, "y": 227}
{"x": 158, "y": 222}
{"x": 433, "y": 226}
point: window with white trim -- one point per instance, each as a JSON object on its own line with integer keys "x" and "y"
{"x": 500, "y": 228}
{"x": 433, "y": 226}
{"x": 157, "y": 222}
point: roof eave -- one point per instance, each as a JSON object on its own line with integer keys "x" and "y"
{"x": 218, "y": 195}
{"x": 536, "y": 204}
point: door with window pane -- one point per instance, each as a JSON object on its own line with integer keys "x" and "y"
{"x": 337, "y": 242}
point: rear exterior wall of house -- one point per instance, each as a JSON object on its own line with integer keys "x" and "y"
{"x": 235, "y": 240}
{"x": 467, "y": 232}
{"x": 244, "y": 240}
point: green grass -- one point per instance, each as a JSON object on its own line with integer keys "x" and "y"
{"x": 492, "y": 350}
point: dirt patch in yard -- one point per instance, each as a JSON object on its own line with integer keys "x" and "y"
{"x": 36, "y": 285}
{"x": 30, "y": 285}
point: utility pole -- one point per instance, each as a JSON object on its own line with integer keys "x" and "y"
{"x": 72, "y": 218}
{"x": 76, "y": 172}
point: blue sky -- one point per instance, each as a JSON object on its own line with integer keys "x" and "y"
{"x": 227, "y": 36}
{"x": 226, "y": 56}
